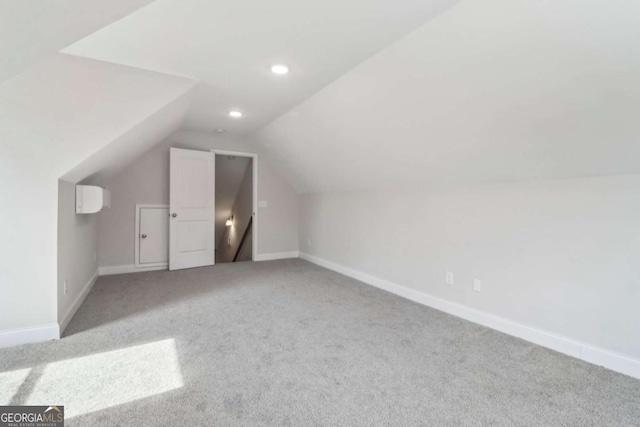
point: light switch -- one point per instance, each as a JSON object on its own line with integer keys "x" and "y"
{"x": 263, "y": 204}
{"x": 449, "y": 278}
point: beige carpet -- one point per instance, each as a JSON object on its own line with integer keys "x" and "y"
{"x": 290, "y": 343}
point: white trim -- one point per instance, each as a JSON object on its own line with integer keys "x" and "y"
{"x": 254, "y": 232}
{"x": 78, "y": 302}
{"x": 276, "y": 255}
{"x": 130, "y": 268}
{"x": 40, "y": 333}
{"x": 616, "y": 362}
{"x": 136, "y": 255}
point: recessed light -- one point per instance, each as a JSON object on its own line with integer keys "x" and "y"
{"x": 280, "y": 69}
{"x": 235, "y": 114}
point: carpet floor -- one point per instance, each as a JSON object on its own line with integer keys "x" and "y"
{"x": 290, "y": 343}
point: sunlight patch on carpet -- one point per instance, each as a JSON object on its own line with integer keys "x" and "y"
{"x": 103, "y": 380}
{"x": 10, "y": 383}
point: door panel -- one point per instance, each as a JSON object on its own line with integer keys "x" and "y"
{"x": 192, "y": 198}
{"x": 192, "y": 181}
{"x": 192, "y": 236}
{"x": 154, "y": 236}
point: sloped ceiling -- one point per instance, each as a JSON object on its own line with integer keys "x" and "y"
{"x": 496, "y": 90}
{"x": 230, "y": 46}
{"x": 32, "y": 30}
{"x": 108, "y": 161}
{"x": 67, "y": 109}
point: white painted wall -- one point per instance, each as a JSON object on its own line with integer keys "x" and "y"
{"x": 77, "y": 252}
{"x": 146, "y": 180}
{"x": 561, "y": 255}
{"x": 53, "y": 117}
{"x": 492, "y": 90}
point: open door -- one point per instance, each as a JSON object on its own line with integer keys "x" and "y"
{"x": 191, "y": 209}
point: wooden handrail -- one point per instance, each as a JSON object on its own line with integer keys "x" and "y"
{"x": 244, "y": 236}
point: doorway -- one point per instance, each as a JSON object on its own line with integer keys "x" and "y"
{"x": 234, "y": 207}
{"x": 200, "y": 234}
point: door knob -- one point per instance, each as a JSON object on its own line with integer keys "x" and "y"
{"x": 174, "y": 215}
{"x": 144, "y": 236}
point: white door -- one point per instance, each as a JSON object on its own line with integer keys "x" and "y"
{"x": 153, "y": 236}
{"x": 191, "y": 207}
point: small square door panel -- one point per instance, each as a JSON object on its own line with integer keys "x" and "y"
{"x": 154, "y": 236}
{"x": 192, "y": 236}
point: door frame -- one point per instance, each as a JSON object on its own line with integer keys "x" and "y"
{"x": 254, "y": 163}
{"x": 137, "y": 264}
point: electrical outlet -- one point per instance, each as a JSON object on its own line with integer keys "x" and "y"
{"x": 95, "y": 257}
{"x": 65, "y": 287}
{"x": 477, "y": 285}
{"x": 449, "y": 278}
{"x": 309, "y": 242}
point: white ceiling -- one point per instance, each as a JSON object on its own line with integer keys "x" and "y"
{"x": 496, "y": 90}
{"x": 32, "y": 30}
{"x": 80, "y": 117}
{"x": 231, "y": 45}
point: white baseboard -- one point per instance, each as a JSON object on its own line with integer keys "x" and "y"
{"x": 276, "y": 255}
{"x": 611, "y": 360}
{"x": 33, "y": 334}
{"x": 78, "y": 302}
{"x": 129, "y": 268}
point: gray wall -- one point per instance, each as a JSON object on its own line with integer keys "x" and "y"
{"x": 77, "y": 248}
{"x": 241, "y": 211}
{"x": 146, "y": 180}
{"x": 561, "y": 256}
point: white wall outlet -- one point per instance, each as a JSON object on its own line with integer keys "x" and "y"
{"x": 65, "y": 287}
{"x": 448, "y": 278}
{"x": 309, "y": 243}
{"x": 477, "y": 285}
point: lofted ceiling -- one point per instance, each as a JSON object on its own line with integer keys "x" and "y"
{"x": 230, "y": 47}
{"x": 380, "y": 94}
{"x": 497, "y": 90}
{"x": 32, "y": 30}
{"x": 82, "y": 117}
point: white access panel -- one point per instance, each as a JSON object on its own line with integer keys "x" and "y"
{"x": 152, "y": 236}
